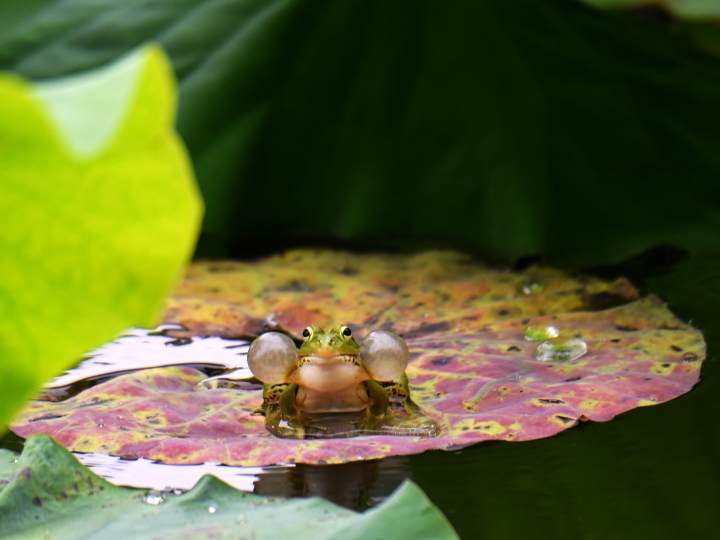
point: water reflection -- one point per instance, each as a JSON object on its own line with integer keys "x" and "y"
{"x": 143, "y": 349}
{"x": 357, "y": 485}
{"x": 144, "y": 473}
{"x": 10, "y": 441}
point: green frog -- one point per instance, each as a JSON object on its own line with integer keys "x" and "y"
{"x": 329, "y": 373}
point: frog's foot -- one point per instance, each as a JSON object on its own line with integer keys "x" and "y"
{"x": 371, "y": 422}
{"x": 411, "y": 407}
{"x": 282, "y": 417}
{"x": 286, "y": 427}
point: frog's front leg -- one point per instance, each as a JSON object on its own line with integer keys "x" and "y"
{"x": 399, "y": 394}
{"x": 282, "y": 415}
{"x": 378, "y": 404}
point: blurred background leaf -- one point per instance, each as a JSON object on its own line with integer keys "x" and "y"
{"x": 508, "y": 129}
{"x": 99, "y": 213}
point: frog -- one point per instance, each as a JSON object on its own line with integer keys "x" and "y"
{"x": 330, "y": 372}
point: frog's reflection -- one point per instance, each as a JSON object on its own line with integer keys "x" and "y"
{"x": 356, "y": 485}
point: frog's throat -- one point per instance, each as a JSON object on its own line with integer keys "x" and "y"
{"x": 329, "y": 374}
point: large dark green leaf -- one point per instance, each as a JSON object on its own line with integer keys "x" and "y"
{"x": 507, "y": 128}
{"x": 46, "y": 493}
{"x": 690, "y": 9}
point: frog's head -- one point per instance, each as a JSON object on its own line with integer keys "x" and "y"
{"x": 273, "y": 356}
{"x": 337, "y": 341}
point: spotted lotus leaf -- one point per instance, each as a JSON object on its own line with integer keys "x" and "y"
{"x": 473, "y": 371}
{"x": 415, "y": 294}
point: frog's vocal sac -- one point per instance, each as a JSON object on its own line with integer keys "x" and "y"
{"x": 330, "y": 373}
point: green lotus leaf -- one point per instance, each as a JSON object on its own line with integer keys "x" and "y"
{"x": 47, "y": 491}
{"x": 98, "y": 211}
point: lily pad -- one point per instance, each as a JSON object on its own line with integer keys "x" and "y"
{"x": 46, "y": 489}
{"x": 410, "y": 294}
{"x": 472, "y": 369}
{"x": 98, "y": 210}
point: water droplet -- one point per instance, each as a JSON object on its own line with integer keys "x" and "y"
{"x": 15, "y": 460}
{"x": 212, "y": 509}
{"x": 154, "y": 497}
{"x": 541, "y": 333}
{"x": 561, "y": 350}
{"x": 100, "y": 425}
{"x": 528, "y": 289}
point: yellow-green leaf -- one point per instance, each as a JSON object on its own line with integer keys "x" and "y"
{"x": 98, "y": 214}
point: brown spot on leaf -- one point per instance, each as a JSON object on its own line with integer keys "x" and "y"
{"x": 295, "y": 286}
{"x": 604, "y": 300}
{"x": 428, "y": 329}
{"x": 625, "y": 328}
{"x": 348, "y": 271}
{"x": 669, "y": 327}
{"x": 441, "y": 361}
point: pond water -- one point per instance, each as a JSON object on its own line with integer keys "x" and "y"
{"x": 650, "y": 473}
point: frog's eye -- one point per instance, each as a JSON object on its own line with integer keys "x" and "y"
{"x": 272, "y": 357}
{"x": 385, "y": 355}
{"x": 307, "y": 332}
{"x": 345, "y": 331}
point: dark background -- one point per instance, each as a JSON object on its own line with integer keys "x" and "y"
{"x": 508, "y": 129}
{"x": 519, "y": 131}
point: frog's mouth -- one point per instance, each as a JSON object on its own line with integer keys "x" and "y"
{"x": 324, "y": 360}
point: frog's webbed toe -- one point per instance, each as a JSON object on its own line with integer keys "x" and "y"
{"x": 272, "y": 356}
{"x": 385, "y": 355}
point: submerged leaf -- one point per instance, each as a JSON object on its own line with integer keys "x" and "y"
{"x": 98, "y": 212}
{"x": 47, "y": 489}
{"x": 472, "y": 369}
